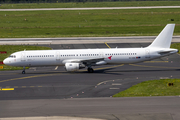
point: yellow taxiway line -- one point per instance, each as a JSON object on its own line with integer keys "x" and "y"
{"x": 156, "y": 61}
{"x": 21, "y": 78}
{"x": 35, "y": 76}
{"x": 108, "y": 67}
{"x": 107, "y": 45}
{"x": 6, "y": 89}
{"x": 103, "y": 68}
{"x": 153, "y": 66}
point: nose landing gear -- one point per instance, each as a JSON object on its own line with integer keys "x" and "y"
{"x": 23, "y": 72}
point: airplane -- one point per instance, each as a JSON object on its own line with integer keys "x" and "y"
{"x": 76, "y": 59}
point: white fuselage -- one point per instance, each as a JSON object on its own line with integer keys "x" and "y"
{"x": 60, "y": 57}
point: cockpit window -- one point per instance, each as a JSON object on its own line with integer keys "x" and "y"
{"x": 12, "y": 56}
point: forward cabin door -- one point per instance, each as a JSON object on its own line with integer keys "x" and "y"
{"x": 23, "y": 59}
{"x": 23, "y": 56}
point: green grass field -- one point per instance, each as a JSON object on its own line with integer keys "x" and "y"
{"x": 152, "y": 88}
{"x": 89, "y": 4}
{"x": 14, "y": 48}
{"x": 176, "y": 46}
{"x": 141, "y": 22}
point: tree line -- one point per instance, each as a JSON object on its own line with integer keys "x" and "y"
{"x": 56, "y": 1}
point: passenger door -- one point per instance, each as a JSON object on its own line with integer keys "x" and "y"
{"x": 57, "y": 56}
{"x": 23, "y": 56}
{"x": 147, "y": 53}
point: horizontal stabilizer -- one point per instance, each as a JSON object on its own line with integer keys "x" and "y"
{"x": 162, "y": 52}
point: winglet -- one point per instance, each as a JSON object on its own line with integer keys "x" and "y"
{"x": 163, "y": 40}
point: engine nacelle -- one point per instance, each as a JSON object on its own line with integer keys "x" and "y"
{"x": 74, "y": 66}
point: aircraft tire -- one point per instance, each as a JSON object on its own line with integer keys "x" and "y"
{"x": 23, "y": 72}
{"x": 90, "y": 70}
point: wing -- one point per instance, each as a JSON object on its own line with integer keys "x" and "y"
{"x": 91, "y": 61}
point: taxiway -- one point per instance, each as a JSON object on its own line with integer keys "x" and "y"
{"x": 51, "y": 91}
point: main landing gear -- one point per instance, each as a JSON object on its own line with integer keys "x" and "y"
{"x": 90, "y": 70}
{"x": 23, "y": 72}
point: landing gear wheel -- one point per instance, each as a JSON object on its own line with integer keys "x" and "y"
{"x": 23, "y": 72}
{"x": 90, "y": 70}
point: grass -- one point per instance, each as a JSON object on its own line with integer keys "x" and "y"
{"x": 176, "y": 46}
{"x": 89, "y": 4}
{"x": 14, "y": 48}
{"x": 137, "y": 22}
{"x": 152, "y": 88}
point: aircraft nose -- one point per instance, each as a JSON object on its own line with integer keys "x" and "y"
{"x": 5, "y": 61}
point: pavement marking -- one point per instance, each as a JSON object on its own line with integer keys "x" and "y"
{"x": 156, "y": 61}
{"x": 35, "y": 76}
{"x": 56, "y": 68}
{"x": 107, "y": 45}
{"x": 26, "y": 41}
{"x": 33, "y": 41}
{"x": 91, "y": 8}
{"x": 116, "y": 84}
{"x": 107, "y": 81}
{"x": 104, "y": 82}
{"x": 109, "y": 67}
{"x": 163, "y": 77}
{"x": 27, "y": 77}
{"x": 154, "y": 66}
{"x": 50, "y": 118}
{"x": 104, "y": 67}
{"x": 113, "y": 88}
{"x": 6, "y": 89}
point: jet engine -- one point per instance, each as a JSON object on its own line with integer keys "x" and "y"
{"x": 74, "y": 66}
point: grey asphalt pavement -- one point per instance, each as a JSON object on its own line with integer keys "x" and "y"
{"x": 46, "y": 91}
{"x": 94, "y": 8}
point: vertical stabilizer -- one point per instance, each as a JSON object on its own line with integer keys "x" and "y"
{"x": 163, "y": 40}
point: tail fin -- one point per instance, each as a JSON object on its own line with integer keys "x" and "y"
{"x": 163, "y": 40}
